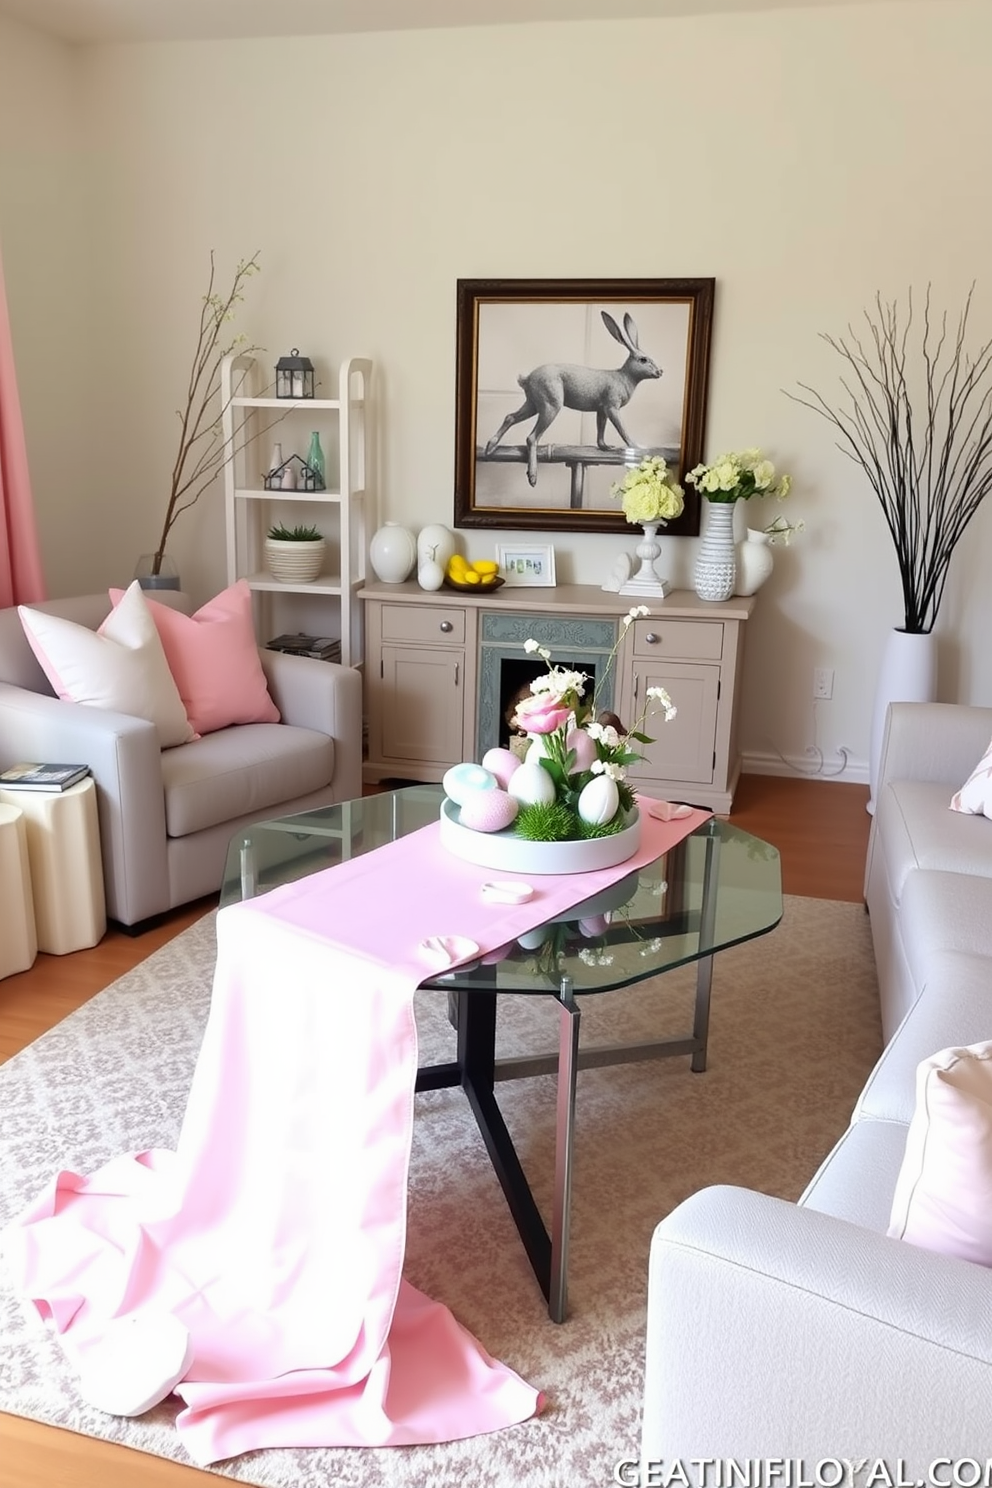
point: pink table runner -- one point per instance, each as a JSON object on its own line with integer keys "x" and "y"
{"x": 276, "y": 1230}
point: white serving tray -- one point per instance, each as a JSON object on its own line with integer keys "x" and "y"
{"x": 511, "y": 854}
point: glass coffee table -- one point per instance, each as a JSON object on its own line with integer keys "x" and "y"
{"x": 717, "y": 888}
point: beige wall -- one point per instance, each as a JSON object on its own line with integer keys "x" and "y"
{"x": 804, "y": 159}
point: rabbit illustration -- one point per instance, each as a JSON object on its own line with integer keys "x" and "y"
{"x": 600, "y": 390}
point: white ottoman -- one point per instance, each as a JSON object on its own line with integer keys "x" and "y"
{"x": 63, "y": 834}
{"x": 18, "y": 941}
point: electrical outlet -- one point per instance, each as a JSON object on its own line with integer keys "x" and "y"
{"x": 823, "y": 682}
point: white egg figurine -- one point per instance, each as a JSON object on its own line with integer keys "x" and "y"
{"x": 488, "y": 811}
{"x": 465, "y": 780}
{"x": 598, "y": 801}
{"x": 532, "y": 785}
{"x": 430, "y": 575}
{"x": 585, "y": 748}
{"x": 501, "y": 763}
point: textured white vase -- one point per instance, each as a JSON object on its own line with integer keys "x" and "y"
{"x": 716, "y": 561}
{"x": 393, "y": 553}
{"x": 646, "y": 581}
{"x": 294, "y": 562}
{"x": 908, "y": 674}
{"x": 755, "y": 562}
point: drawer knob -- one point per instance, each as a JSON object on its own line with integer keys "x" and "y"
{"x": 652, "y": 639}
{"x": 446, "y": 625}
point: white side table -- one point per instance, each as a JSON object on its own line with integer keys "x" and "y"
{"x": 18, "y": 940}
{"x": 63, "y": 833}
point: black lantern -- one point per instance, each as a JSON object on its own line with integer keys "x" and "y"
{"x": 294, "y": 376}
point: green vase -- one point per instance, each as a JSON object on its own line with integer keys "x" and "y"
{"x": 315, "y": 462}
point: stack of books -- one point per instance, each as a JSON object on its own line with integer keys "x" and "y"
{"x": 31, "y": 777}
{"x": 320, "y": 648}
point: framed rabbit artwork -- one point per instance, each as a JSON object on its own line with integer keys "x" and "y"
{"x": 561, "y": 382}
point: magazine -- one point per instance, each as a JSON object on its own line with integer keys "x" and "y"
{"x": 42, "y": 777}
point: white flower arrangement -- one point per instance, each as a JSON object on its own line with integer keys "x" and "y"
{"x": 738, "y": 477}
{"x": 649, "y": 492}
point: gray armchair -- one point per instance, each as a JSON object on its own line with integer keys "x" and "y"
{"x": 167, "y": 816}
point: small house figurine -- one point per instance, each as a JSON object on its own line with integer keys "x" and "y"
{"x": 292, "y": 475}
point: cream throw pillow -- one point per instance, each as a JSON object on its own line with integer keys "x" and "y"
{"x": 975, "y": 796}
{"x": 120, "y": 667}
{"x": 943, "y": 1196}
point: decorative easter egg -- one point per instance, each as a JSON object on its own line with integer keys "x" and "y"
{"x": 465, "y": 780}
{"x": 532, "y": 785}
{"x": 585, "y": 749}
{"x": 598, "y": 801}
{"x": 488, "y": 810}
{"x": 594, "y": 925}
{"x": 502, "y": 763}
{"x": 430, "y": 575}
{"x": 532, "y": 939}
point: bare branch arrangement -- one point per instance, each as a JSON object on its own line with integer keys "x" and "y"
{"x": 929, "y": 461}
{"x": 203, "y": 450}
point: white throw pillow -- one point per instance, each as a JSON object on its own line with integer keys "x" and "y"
{"x": 975, "y": 796}
{"x": 120, "y": 667}
{"x": 943, "y": 1196}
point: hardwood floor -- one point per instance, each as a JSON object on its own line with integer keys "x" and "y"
{"x": 821, "y": 831}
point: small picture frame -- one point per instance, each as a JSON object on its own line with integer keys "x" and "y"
{"x": 527, "y": 564}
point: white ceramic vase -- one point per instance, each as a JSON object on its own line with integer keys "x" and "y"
{"x": 908, "y": 674}
{"x": 646, "y": 581}
{"x": 393, "y": 553}
{"x": 435, "y": 543}
{"x": 755, "y": 562}
{"x": 716, "y": 560}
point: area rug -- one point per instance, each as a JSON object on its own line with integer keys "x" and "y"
{"x": 794, "y": 1032}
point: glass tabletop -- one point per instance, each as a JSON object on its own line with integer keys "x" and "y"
{"x": 716, "y": 888}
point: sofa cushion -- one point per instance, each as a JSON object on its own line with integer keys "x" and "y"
{"x": 943, "y": 1195}
{"x": 944, "y": 912}
{"x": 120, "y": 668}
{"x": 954, "y": 1006}
{"x": 247, "y": 770}
{"x": 857, "y": 1178}
{"x": 915, "y": 828}
{"x": 213, "y": 658}
{"x": 975, "y": 796}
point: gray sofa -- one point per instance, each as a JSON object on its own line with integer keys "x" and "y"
{"x": 802, "y": 1330}
{"x": 167, "y": 816}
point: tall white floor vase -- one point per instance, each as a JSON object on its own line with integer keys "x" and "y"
{"x": 908, "y": 674}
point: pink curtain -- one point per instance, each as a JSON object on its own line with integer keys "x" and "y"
{"x": 21, "y": 577}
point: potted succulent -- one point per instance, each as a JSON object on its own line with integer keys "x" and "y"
{"x": 295, "y": 555}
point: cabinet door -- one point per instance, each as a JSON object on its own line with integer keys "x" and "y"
{"x": 422, "y": 704}
{"x": 683, "y": 749}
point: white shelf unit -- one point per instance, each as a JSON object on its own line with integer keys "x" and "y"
{"x": 344, "y": 512}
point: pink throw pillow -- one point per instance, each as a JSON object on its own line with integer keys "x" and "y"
{"x": 975, "y": 796}
{"x": 943, "y": 1195}
{"x": 213, "y": 658}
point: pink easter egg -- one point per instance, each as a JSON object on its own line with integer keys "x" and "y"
{"x": 501, "y": 763}
{"x": 585, "y": 749}
{"x": 488, "y": 811}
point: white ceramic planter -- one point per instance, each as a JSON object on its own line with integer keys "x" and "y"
{"x": 908, "y": 674}
{"x": 511, "y": 854}
{"x": 294, "y": 562}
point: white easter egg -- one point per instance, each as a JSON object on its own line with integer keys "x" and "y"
{"x": 532, "y": 785}
{"x": 464, "y": 780}
{"x": 488, "y": 811}
{"x": 532, "y": 939}
{"x": 585, "y": 749}
{"x": 536, "y": 750}
{"x": 598, "y": 801}
{"x": 501, "y": 763}
{"x": 430, "y": 575}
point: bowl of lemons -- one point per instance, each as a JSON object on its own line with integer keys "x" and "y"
{"x": 480, "y": 577}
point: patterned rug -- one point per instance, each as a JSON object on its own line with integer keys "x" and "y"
{"x": 794, "y": 1032}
